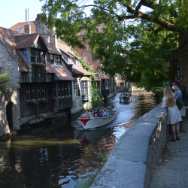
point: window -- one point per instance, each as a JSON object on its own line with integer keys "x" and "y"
{"x": 36, "y": 92}
{"x": 69, "y": 88}
{"x": 24, "y": 77}
{"x": 32, "y": 92}
{"x": 69, "y": 61}
{"x": 64, "y": 89}
{"x": 51, "y": 59}
{"x": 54, "y": 90}
{"x": 37, "y": 56}
{"x": 43, "y": 93}
{"x": 84, "y": 88}
{"x": 55, "y": 59}
{"x": 19, "y": 29}
{"x": 28, "y": 93}
{"x": 77, "y": 63}
{"x": 76, "y": 89}
{"x": 61, "y": 90}
{"x": 84, "y": 92}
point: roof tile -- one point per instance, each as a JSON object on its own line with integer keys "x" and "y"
{"x": 61, "y": 72}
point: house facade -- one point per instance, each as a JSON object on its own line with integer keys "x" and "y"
{"x": 45, "y": 79}
{"x": 80, "y": 97}
{"x": 40, "y": 81}
{"x": 81, "y": 90}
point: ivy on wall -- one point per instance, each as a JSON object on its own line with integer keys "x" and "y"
{"x": 96, "y": 96}
{"x": 3, "y": 82}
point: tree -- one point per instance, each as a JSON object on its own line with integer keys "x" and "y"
{"x": 134, "y": 38}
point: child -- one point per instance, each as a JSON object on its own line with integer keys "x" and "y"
{"x": 174, "y": 115}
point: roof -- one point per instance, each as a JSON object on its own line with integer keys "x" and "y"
{"x": 61, "y": 72}
{"x": 67, "y": 50}
{"x": 26, "y": 40}
{"x": 104, "y": 77}
{"x": 29, "y": 40}
{"x": 76, "y": 70}
{"x": 19, "y": 27}
{"x": 7, "y": 38}
{"x": 80, "y": 70}
{"x": 51, "y": 48}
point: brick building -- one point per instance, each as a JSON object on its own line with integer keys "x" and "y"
{"x": 103, "y": 81}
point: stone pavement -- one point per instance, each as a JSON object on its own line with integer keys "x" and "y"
{"x": 172, "y": 169}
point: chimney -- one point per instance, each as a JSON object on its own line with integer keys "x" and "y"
{"x": 27, "y": 29}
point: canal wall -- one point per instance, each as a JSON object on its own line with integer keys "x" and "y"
{"x": 132, "y": 159}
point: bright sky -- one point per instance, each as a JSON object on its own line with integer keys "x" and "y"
{"x": 13, "y": 11}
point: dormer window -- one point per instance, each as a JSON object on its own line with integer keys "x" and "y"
{"x": 77, "y": 63}
{"x": 37, "y": 56}
{"x": 55, "y": 59}
{"x": 19, "y": 29}
{"x": 69, "y": 61}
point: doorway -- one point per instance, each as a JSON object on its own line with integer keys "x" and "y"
{"x": 9, "y": 115}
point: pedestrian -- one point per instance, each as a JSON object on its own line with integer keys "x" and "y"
{"x": 179, "y": 101}
{"x": 177, "y": 90}
{"x": 174, "y": 115}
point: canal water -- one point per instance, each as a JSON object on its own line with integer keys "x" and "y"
{"x": 62, "y": 154}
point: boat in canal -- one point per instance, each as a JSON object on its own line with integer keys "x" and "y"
{"x": 89, "y": 121}
{"x": 125, "y": 98}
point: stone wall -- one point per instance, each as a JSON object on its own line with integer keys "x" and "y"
{"x": 4, "y": 128}
{"x": 9, "y": 63}
{"x": 131, "y": 161}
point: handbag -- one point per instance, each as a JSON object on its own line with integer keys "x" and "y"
{"x": 179, "y": 103}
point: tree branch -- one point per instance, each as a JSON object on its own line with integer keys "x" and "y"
{"x": 151, "y": 5}
{"x": 138, "y": 14}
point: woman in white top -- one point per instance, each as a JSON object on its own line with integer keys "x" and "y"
{"x": 174, "y": 115}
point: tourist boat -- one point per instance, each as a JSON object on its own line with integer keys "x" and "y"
{"x": 125, "y": 99}
{"x": 91, "y": 122}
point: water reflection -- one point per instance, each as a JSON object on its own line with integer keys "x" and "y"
{"x": 59, "y": 154}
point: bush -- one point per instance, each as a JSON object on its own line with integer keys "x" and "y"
{"x": 97, "y": 98}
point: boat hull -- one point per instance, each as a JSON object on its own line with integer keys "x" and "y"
{"x": 125, "y": 100}
{"x": 94, "y": 122}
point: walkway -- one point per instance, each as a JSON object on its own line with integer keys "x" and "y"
{"x": 172, "y": 169}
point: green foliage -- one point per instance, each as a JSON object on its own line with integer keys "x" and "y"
{"x": 96, "y": 96}
{"x": 134, "y": 43}
{"x": 96, "y": 99}
{"x": 3, "y": 82}
{"x": 85, "y": 66}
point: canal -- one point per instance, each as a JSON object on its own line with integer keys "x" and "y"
{"x": 62, "y": 154}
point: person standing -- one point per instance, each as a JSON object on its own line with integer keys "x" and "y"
{"x": 174, "y": 115}
{"x": 177, "y": 90}
{"x": 179, "y": 102}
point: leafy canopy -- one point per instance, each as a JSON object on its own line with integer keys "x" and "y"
{"x": 134, "y": 38}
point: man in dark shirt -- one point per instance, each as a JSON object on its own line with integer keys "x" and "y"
{"x": 177, "y": 91}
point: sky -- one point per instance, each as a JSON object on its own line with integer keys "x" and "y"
{"x": 13, "y": 11}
